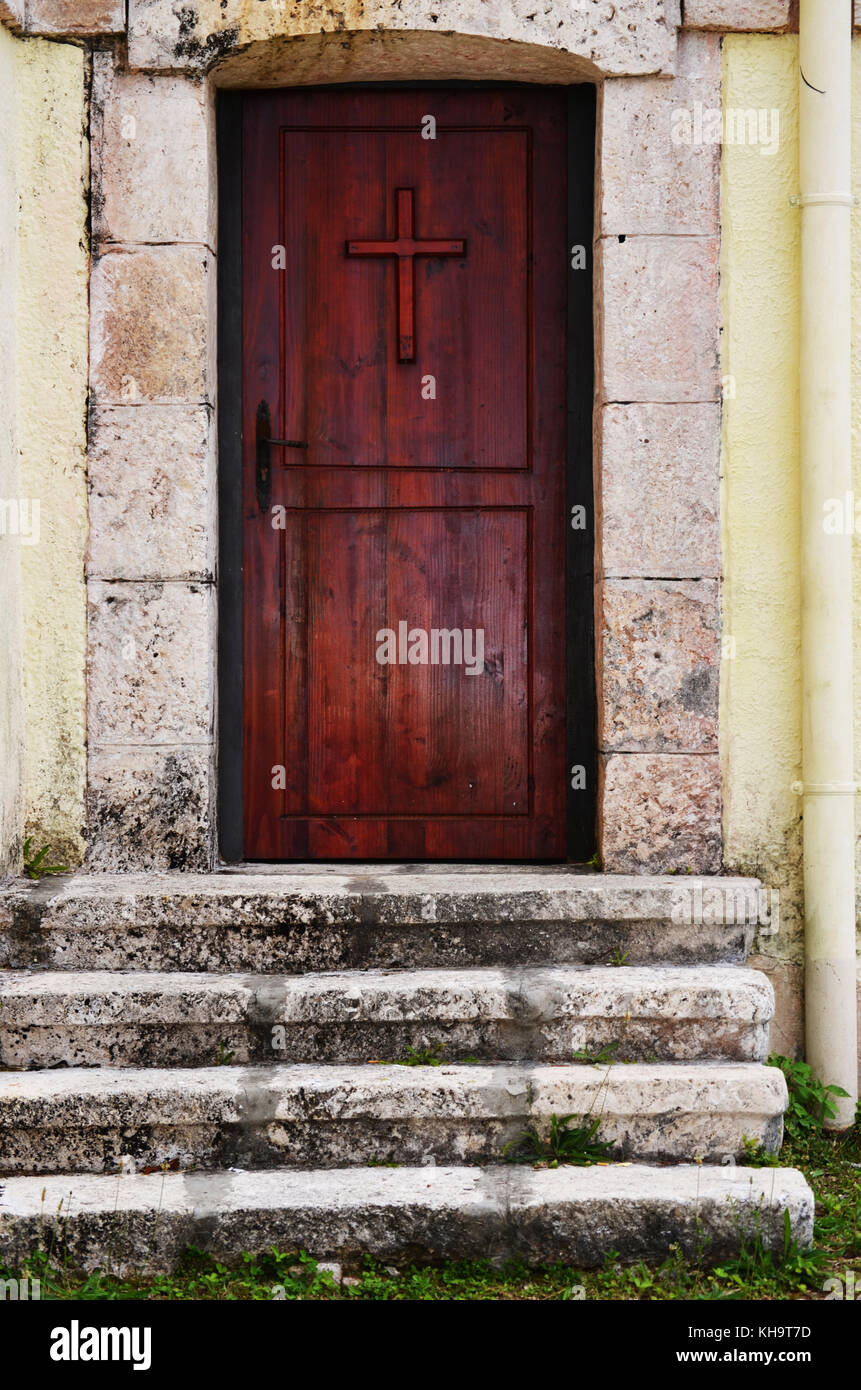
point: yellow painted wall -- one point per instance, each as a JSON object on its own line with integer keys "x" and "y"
{"x": 44, "y": 302}
{"x": 760, "y": 683}
{"x": 11, "y": 703}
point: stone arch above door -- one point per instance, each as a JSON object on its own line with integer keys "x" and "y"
{"x": 364, "y": 40}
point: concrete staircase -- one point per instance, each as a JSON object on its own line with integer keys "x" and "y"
{"x": 237, "y": 1034}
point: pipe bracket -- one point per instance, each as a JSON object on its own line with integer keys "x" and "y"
{"x": 806, "y": 200}
{"x": 825, "y": 788}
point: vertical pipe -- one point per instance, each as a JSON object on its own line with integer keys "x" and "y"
{"x": 826, "y": 559}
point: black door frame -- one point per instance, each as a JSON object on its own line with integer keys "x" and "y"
{"x": 580, "y": 665}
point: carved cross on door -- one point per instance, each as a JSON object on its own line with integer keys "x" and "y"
{"x": 406, "y": 247}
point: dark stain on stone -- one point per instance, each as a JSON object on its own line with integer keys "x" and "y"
{"x": 28, "y": 944}
{"x": 362, "y": 884}
{"x": 97, "y": 197}
{"x": 214, "y": 46}
{"x": 163, "y": 828}
{"x": 697, "y": 690}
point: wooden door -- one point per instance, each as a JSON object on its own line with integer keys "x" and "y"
{"x": 403, "y": 339}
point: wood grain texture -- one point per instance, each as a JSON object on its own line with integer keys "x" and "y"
{"x": 440, "y": 506}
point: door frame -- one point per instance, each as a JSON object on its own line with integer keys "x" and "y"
{"x": 581, "y": 705}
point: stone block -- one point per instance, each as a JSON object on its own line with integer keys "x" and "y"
{"x": 659, "y": 682}
{"x": 660, "y": 811}
{"x": 737, "y": 15}
{"x": 454, "y": 38}
{"x": 151, "y": 663}
{"x": 371, "y": 917}
{"x": 87, "y": 1119}
{"x": 661, "y": 328}
{"x": 566, "y": 1215}
{"x": 150, "y": 809}
{"x": 651, "y": 182}
{"x": 12, "y": 14}
{"x": 153, "y": 161}
{"x": 59, "y": 1018}
{"x": 152, "y": 481}
{"x": 152, "y": 325}
{"x": 660, "y": 483}
{"x": 787, "y": 1025}
{"x": 76, "y": 17}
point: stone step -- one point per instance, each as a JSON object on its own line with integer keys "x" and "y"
{"x": 317, "y": 918}
{"x": 88, "y": 1120}
{"x": 650, "y": 1013}
{"x": 569, "y": 1215}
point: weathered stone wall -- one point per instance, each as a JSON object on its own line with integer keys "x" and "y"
{"x": 151, "y": 562}
{"x": 151, "y": 377}
{"x": 657, "y": 433}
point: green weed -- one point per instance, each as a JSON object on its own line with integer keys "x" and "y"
{"x": 602, "y": 1058}
{"x": 565, "y": 1143}
{"x": 423, "y": 1057}
{"x": 34, "y": 864}
{"x": 810, "y": 1103}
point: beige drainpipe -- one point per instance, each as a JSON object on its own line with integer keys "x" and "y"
{"x": 826, "y": 560}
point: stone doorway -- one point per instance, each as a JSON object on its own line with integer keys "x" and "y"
{"x": 155, "y": 785}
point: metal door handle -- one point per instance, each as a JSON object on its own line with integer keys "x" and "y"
{"x": 264, "y": 441}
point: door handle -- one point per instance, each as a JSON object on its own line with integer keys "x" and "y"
{"x": 264, "y": 442}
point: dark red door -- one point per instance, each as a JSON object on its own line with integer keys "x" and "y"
{"x": 404, "y": 307}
